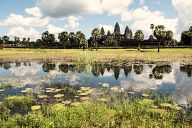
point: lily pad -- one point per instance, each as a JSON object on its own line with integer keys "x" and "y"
{"x": 42, "y": 96}
{"x": 35, "y": 107}
{"x": 105, "y": 85}
{"x": 145, "y": 95}
{"x": 58, "y": 95}
{"x": 66, "y": 102}
{"x": 2, "y": 90}
{"x": 83, "y": 94}
{"x": 115, "y": 88}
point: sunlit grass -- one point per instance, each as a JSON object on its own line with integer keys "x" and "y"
{"x": 171, "y": 54}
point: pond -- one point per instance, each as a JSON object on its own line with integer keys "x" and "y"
{"x": 40, "y": 78}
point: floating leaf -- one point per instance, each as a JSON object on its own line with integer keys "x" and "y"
{"x": 105, "y": 85}
{"x": 170, "y": 106}
{"x": 145, "y": 95}
{"x": 83, "y": 94}
{"x": 42, "y": 96}
{"x": 2, "y": 90}
{"x": 58, "y": 95}
{"x": 85, "y": 88}
{"x": 66, "y": 102}
{"x": 115, "y": 88}
{"x": 131, "y": 92}
{"x": 35, "y": 107}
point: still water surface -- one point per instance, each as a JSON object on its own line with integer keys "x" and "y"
{"x": 174, "y": 79}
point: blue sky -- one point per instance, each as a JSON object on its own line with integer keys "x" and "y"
{"x": 29, "y": 18}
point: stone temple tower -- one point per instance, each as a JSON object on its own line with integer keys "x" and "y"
{"x": 117, "y": 29}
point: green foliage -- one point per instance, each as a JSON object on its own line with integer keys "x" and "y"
{"x": 186, "y": 37}
{"x": 63, "y": 37}
{"x": 139, "y": 35}
{"x": 47, "y": 37}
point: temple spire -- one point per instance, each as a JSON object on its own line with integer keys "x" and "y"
{"x": 117, "y": 28}
{"x": 126, "y": 30}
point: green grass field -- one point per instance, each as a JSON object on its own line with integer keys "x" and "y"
{"x": 170, "y": 55}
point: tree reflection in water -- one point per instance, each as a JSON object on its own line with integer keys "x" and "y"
{"x": 48, "y": 66}
{"x": 187, "y": 69}
{"x": 159, "y": 70}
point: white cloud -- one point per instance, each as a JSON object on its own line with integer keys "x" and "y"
{"x": 115, "y": 7}
{"x": 65, "y": 8}
{"x": 148, "y": 17}
{"x": 107, "y": 27}
{"x": 53, "y": 29}
{"x": 21, "y": 32}
{"x": 184, "y": 10}
{"x": 19, "y": 20}
{"x": 73, "y": 22}
{"x": 35, "y": 11}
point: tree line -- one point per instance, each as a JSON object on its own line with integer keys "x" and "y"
{"x": 79, "y": 40}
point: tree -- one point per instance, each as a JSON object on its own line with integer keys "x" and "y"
{"x": 96, "y": 34}
{"x": 45, "y": 37}
{"x": 152, "y": 27}
{"x": 5, "y": 39}
{"x": 1, "y": 41}
{"x": 82, "y": 39}
{"x": 38, "y": 43}
{"x": 63, "y": 37}
{"x": 160, "y": 34}
{"x": 16, "y": 40}
{"x": 168, "y": 37}
{"x": 186, "y": 37}
{"x": 139, "y": 36}
{"x": 72, "y": 37}
{"x": 110, "y": 41}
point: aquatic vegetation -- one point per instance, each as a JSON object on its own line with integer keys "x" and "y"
{"x": 83, "y": 94}
{"x": 103, "y": 99}
{"x": 66, "y": 102}
{"x": 115, "y": 88}
{"x": 170, "y": 106}
{"x": 84, "y": 98}
{"x": 35, "y": 107}
{"x": 59, "y": 95}
{"x": 105, "y": 85}
{"x": 2, "y": 90}
{"x": 27, "y": 90}
{"x": 42, "y": 96}
{"x": 145, "y": 95}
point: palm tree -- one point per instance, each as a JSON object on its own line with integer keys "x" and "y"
{"x": 152, "y": 27}
{"x": 96, "y": 34}
{"x": 82, "y": 39}
{"x": 45, "y": 37}
{"x": 63, "y": 37}
{"x": 5, "y": 39}
{"x": 139, "y": 36}
{"x": 168, "y": 37}
{"x": 160, "y": 34}
{"x": 72, "y": 37}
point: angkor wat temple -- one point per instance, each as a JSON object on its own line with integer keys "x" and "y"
{"x": 126, "y": 39}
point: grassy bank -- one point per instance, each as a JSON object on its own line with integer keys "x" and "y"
{"x": 148, "y": 55}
